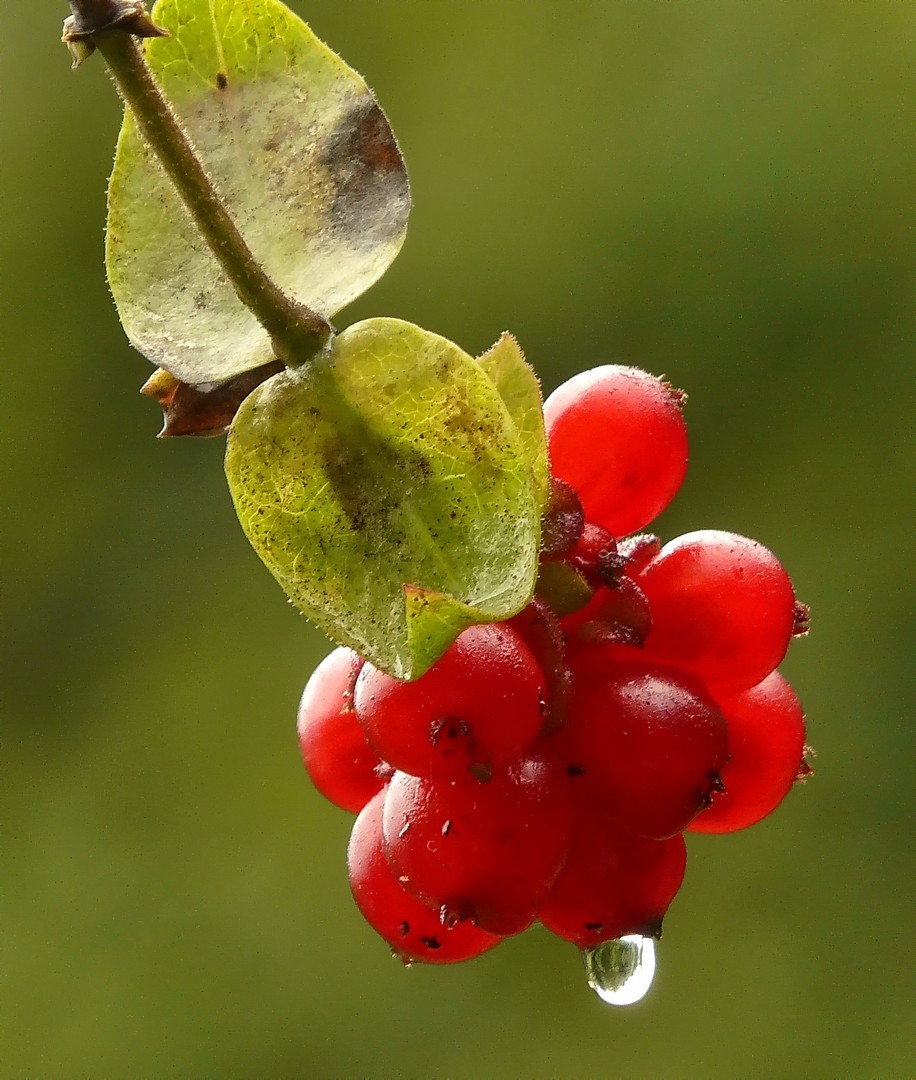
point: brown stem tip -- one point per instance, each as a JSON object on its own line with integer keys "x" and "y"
{"x": 92, "y": 17}
{"x": 805, "y": 768}
{"x": 801, "y": 619}
{"x": 204, "y": 411}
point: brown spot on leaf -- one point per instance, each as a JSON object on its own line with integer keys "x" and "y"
{"x": 221, "y": 81}
{"x": 372, "y": 193}
{"x": 372, "y": 478}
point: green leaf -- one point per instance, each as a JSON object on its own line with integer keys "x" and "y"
{"x": 388, "y": 490}
{"x": 520, "y": 390}
{"x": 301, "y": 154}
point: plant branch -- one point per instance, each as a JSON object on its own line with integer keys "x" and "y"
{"x": 112, "y": 26}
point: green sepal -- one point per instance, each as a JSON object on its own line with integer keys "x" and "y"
{"x": 520, "y": 390}
{"x": 562, "y": 588}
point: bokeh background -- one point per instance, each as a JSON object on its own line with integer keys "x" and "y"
{"x": 715, "y": 190}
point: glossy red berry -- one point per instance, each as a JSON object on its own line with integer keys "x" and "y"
{"x": 617, "y": 435}
{"x": 477, "y": 709}
{"x": 485, "y": 852}
{"x": 342, "y": 765}
{"x": 722, "y": 608}
{"x": 414, "y": 931}
{"x": 766, "y": 737}
{"x": 645, "y": 744}
{"x": 613, "y": 883}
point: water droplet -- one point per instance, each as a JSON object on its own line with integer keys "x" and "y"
{"x": 621, "y": 971}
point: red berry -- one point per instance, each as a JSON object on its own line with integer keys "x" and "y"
{"x": 766, "y": 737}
{"x": 613, "y": 883}
{"x": 595, "y": 556}
{"x": 617, "y": 436}
{"x": 485, "y": 852}
{"x": 476, "y": 709}
{"x": 722, "y": 608}
{"x": 645, "y": 744}
{"x": 342, "y": 765}
{"x": 413, "y": 930}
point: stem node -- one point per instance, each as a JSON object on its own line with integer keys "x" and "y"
{"x": 91, "y": 17}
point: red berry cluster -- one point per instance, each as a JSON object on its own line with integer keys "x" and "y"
{"x": 546, "y": 767}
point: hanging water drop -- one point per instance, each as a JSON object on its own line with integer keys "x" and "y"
{"x": 621, "y": 971}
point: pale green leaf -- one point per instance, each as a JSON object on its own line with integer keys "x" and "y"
{"x": 520, "y": 390}
{"x": 300, "y": 152}
{"x": 392, "y": 462}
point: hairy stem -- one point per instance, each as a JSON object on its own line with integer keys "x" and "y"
{"x": 297, "y": 332}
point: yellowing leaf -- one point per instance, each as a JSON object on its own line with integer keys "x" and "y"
{"x": 301, "y": 154}
{"x": 388, "y": 490}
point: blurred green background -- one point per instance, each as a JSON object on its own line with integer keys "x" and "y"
{"x": 715, "y": 190}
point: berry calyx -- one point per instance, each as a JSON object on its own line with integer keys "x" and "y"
{"x": 596, "y": 557}
{"x": 540, "y": 629}
{"x": 638, "y": 550}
